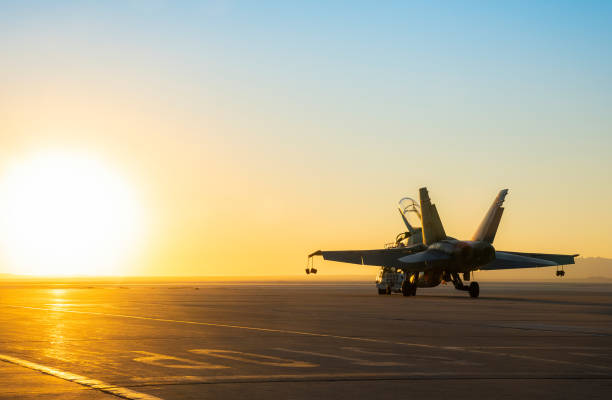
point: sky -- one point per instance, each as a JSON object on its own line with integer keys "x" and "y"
{"x": 254, "y": 133}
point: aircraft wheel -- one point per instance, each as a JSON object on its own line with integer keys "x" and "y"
{"x": 474, "y": 289}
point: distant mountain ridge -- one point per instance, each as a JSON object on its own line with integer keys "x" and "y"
{"x": 594, "y": 266}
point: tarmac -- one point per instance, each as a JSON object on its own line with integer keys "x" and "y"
{"x": 304, "y": 341}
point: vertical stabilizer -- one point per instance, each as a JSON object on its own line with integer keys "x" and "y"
{"x": 433, "y": 231}
{"x": 488, "y": 227}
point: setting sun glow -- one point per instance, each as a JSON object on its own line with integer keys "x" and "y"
{"x": 67, "y": 213}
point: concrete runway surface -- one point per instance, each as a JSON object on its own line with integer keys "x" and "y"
{"x": 304, "y": 341}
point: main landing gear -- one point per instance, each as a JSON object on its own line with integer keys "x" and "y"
{"x": 473, "y": 289}
{"x": 409, "y": 285}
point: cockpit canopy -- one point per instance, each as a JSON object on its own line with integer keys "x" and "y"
{"x": 411, "y": 215}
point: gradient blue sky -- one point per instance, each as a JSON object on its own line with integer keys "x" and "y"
{"x": 301, "y": 124}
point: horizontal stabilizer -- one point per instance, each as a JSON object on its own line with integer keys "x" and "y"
{"x": 425, "y": 257}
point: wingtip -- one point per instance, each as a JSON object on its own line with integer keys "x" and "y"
{"x": 315, "y": 253}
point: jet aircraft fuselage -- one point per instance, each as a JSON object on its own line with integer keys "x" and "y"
{"x": 432, "y": 257}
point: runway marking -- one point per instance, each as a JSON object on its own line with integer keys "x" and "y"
{"x": 118, "y": 391}
{"x": 325, "y": 335}
{"x": 244, "y": 357}
{"x": 354, "y": 360}
{"x": 158, "y": 360}
{"x": 153, "y": 381}
{"x": 355, "y": 376}
{"x": 218, "y": 325}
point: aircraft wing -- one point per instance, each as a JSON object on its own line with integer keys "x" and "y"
{"x": 514, "y": 259}
{"x": 409, "y": 258}
{"x": 379, "y": 257}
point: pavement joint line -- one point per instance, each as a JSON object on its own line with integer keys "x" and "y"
{"x": 114, "y": 390}
{"x": 327, "y": 335}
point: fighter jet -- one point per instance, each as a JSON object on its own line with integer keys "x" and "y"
{"x": 430, "y": 257}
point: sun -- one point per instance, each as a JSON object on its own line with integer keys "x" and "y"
{"x": 67, "y": 213}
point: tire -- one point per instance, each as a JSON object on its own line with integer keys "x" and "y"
{"x": 474, "y": 290}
